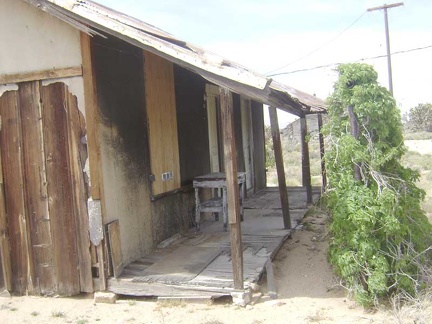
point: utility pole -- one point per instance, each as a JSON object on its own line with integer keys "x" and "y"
{"x": 385, "y": 7}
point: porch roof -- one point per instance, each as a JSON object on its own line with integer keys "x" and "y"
{"x": 87, "y": 16}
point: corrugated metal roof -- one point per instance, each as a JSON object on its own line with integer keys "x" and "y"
{"x": 87, "y": 16}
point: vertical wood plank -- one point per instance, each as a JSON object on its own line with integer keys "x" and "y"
{"x": 36, "y": 195}
{"x": 306, "y": 173}
{"x": 232, "y": 187}
{"x": 76, "y": 131}
{"x": 11, "y": 144}
{"x": 115, "y": 248}
{"x": 61, "y": 208}
{"x": 322, "y": 152}
{"x": 280, "y": 167}
{"x": 5, "y": 247}
{"x": 92, "y": 117}
{"x": 93, "y": 144}
{"x": 162, "y": 122}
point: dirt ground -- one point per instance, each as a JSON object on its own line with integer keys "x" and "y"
{"x": 307, "y": 293}
{"x": 420, "y": 146}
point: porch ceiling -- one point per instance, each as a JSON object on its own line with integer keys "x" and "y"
{"x": 87, "y": 15}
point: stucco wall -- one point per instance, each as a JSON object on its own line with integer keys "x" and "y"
{"x": 32, "y": 40}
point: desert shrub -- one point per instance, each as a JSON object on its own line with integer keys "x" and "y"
{"x": 380, "y": 237}
{"x": 420, "y": 118}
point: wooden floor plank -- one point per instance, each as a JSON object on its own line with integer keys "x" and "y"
{"x": 163, "y": 274}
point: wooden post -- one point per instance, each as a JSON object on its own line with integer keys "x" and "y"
{"x": 306, "y": 173}
{"x": 277, "y": 148}
{"x": 93, "y": 144}
{"x": 322, "y": 152}
{"x": 232, "y": 186}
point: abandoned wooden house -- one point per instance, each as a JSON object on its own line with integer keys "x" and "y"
{"x": 106, "y": 122}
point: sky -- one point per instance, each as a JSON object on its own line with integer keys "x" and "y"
{"x": 278, "y": 36}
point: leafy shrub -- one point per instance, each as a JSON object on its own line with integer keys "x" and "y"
{"x": 380, "y": 237}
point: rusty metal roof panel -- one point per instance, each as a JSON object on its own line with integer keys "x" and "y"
{"x": 87, "y": 16}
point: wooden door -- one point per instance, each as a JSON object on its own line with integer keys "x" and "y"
{"x": 44, "y": 190}
{"x": 212, "y": 95}
{"x": 247, "y": 141}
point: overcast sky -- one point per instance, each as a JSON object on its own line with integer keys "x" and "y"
{"x": 265, "y": 35}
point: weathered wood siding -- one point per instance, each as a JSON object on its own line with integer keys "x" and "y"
{"x": 162, "y": 123}
{"x": 42, "y": 162}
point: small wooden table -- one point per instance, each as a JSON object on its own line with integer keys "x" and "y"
{"x": 216, "y": 180}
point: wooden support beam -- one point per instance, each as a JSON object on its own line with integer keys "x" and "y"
{"x": 234, "y": 221}
{"x": 92, "y": 116}
{"x": 322, "y": 152}
{"x": 306, "y": 173}
{"x": 93, "y": 145}
{"x": 41, "y": 75}
{"x": 277, "y": 148}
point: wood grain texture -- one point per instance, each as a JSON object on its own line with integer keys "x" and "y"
{"x": 162, "y": 122}
{"x": 5, "y": 247}
{"x": 115, "y": 248}
{"x": 232, "y": 187}
{"x": 277, "y": 148}
{"x": 11, "y": 146}
{"x": 93, "y": 120}
{"x": 92, "y": 117}
{"x": 41, "y": 75}
{"x": 36, "y": 195}
{"x": 77, "y": 157}
{"x": 61, "y": 207}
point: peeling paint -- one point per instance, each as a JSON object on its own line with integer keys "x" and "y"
{"x": 76, "y": 87}
{"x": 7, "y": 87}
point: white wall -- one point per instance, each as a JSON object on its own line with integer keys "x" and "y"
{"x": 32, "y": 40}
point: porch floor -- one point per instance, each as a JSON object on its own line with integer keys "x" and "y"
{"x": 198, "y": 264}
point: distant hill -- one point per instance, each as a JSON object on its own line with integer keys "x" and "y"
{"x": 291, "y": 132}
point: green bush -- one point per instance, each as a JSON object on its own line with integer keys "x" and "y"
{"x": 379, "y": 234}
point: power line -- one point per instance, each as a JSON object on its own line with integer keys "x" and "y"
{"x": 319, "y": 47}
{"x": 387, "y": 33}
{"x": 362, "y": 59}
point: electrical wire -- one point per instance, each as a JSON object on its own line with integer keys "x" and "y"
{"x": 359, "y": 60}
{"x": 319, "y": 47}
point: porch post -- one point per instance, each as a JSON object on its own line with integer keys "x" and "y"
{"x": 322, "y": 152}
{"x": 230, "y": 155}
{"x": 277, "y": 148}
{"x": 306, "y": 174}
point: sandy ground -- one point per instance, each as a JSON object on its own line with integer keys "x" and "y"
{"x": 307, "y": 293}
{"x": 420, "y": 146}
{"x": 307, "y": 290}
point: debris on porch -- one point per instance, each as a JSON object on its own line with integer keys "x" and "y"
{"x": 198, "y": 265}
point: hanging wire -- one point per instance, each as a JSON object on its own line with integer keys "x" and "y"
{"x": 319, "y": 47}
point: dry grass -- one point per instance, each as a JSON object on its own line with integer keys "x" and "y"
{"x": 422, "y": 163}
{"x": 169, "y": 303}
{"x": 413, "y": 310}
{"x": 291, "y": 149}
{"x": 418, "y": 136}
